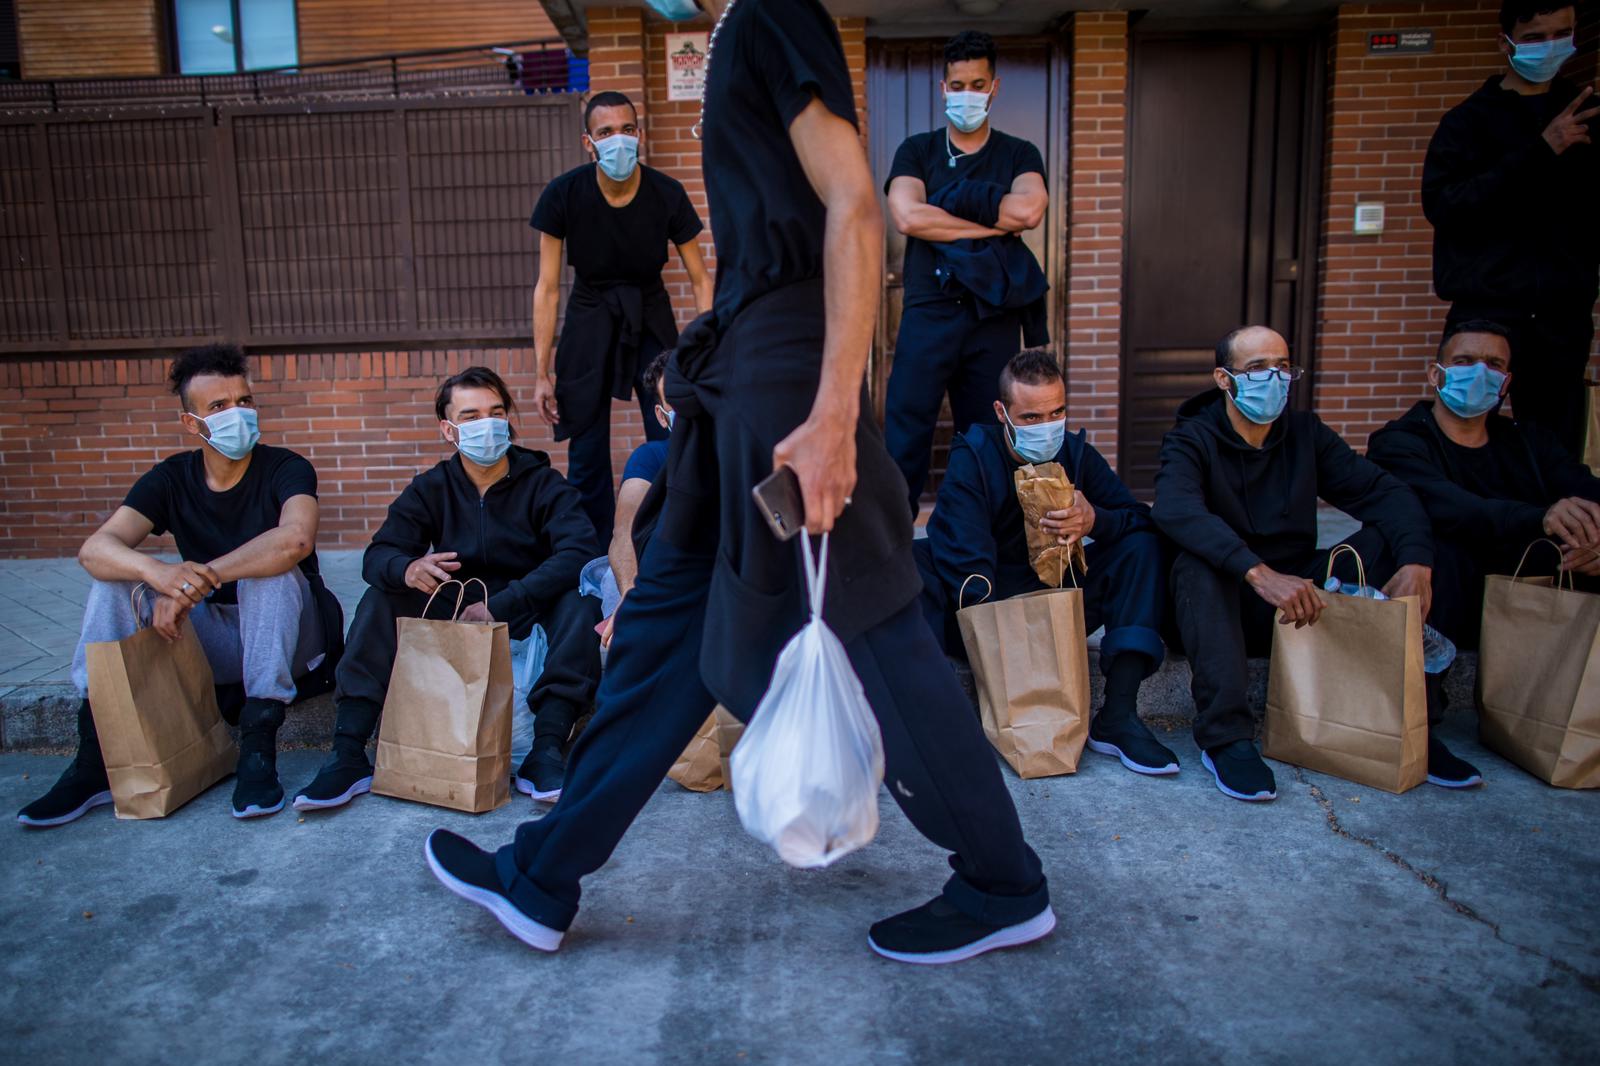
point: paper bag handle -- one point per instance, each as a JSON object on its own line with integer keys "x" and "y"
{"x": 961, "y": 597}
{"x": 1064, "y": 568}
{"x": 1571, "y": 581}
{"x": 1361, "y": 570}
{"x": 816, "y": 572}
{"x": 461, "y": 592}
{"x": 138, "y": 599}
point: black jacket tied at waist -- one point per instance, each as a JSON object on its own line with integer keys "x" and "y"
{"x": 1000, "y": 273}
{"x": 610, "y": 331}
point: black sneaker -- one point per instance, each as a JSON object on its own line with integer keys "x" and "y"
{"x": 543, "y": 770}
{"x": 1447, "y": 770}
{"x": 76, "y": 792}
{"x": 256, "y": 791}
{"x": 346, "y": 775}
{"x": 936, "y": 933}
{"x": 1131, "y": 741}
{"x": 1241, "y": 772}
{"x": 468, "y": 871}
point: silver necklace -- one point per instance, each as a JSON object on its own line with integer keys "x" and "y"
{"x": 948, "y": 147}
{"x": 711, "y": 44}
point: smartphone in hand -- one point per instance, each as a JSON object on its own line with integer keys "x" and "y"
{"x": 778, "y": 497}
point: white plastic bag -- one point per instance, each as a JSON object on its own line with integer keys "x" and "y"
{"x": 807, "y": 770}
{"x": 527, "y": 663}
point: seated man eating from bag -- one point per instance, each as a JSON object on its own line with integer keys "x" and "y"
{"x": 1237, "y": 492}
{"x": 1491, "y": 485}
{"x": 976, "y": 531}
{"x": 636, "y": 510}
{"x": 244, "y": 516}
{"x": 503, "y": 515}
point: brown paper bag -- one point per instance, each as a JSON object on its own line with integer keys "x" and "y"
{"x": 1044, "y": 487}
{"x": 1346, "y": 696}
{"x": 1030, "y": 663}
{"x": 155, "y": 708}
{"x": 1539, "y": 678}
{"x": 729, "y": 730}
{"x": 699, "y": 768}
{"x": 1591, "y": 439}
{"x": 446, "y": 734}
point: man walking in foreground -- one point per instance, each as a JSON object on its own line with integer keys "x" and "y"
{"x": 772, "y": 376}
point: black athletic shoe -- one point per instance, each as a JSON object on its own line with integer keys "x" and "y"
{"x": 543, "y": 770}
{"x": 76, "y": 792}
{"x": 346, "y": 775}
{"x": 1131, "y": 741}
{"x": 937, "y": 933}
{"x": 1241, "y": 772}
{"x": 1448, "y": 771}
{"x": 256, "y": 791}
{"x": 468, "y": 871}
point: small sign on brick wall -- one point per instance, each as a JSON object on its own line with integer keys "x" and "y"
{"x": 686, "y": 66}
{"x": 1399, "y": 42}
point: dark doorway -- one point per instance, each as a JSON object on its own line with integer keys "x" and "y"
{"x": 1224, "y": 178}
{"x": 903, "y": 98}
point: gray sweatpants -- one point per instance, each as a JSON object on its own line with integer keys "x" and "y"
{"x": 264, "y": 640}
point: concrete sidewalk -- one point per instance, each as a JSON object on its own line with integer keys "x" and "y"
{"x": 1336, "y": 925}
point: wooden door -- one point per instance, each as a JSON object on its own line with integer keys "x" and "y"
{"x": 1224, "y": 175}
{"x": 903, "y": 98}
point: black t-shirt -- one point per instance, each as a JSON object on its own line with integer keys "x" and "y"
{"x": 606, "y": 244}
{"x": 771, "y": 59}
{"x": 927, "y": 156}
{"x": 174, "y": 496}
{"x": 1499, "y": 470}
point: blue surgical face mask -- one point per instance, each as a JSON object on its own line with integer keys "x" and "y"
{"x": 233, "y": 432}
{"x": 1470, "y": 391}
{"x": 483, "y": 440}
{"x": 1538, "y": 61}
{"x": 617, "y": 155}
{"x": 966, "y": 110}
{"x": 674, "y": 10}
{"x": 1038, "y": 443}
{"x": 1260, "y": 401}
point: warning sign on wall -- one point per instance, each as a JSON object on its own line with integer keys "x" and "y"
{"x": 1399, "y": 42}
{"x": 686, "y": 66}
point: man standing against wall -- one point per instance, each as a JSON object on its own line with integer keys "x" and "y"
{"x": 614, "y": 217}
{"x": 946, "y": 340}
{"x": 1510, "y": 186}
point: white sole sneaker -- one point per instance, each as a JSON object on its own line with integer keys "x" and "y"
{"x": 99, "y": 799}
{"x": 1105, "y": 748}
{"x": 527, "y": 788}
{"x": 305, "y": 803}
{"x": 1259, "y": 797}
{"x": 1035, "y": 928}
{"x": 254, "y": 811}
{"x": 536, "y": 936}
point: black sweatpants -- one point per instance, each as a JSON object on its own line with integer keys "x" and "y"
{"x": 1549, "y": 361}
{"x": 1222, "y": 622}
{"x": 938, "y": 766}
{"x": 589, "y": 467}
{"x": 1459, "y": 569}
{"x": 571, "y": 668}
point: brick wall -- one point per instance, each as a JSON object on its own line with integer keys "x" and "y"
{"x": 1378, "y": 320}
{"x": 85, "y": 38}
{"x": 1098, "y": 145}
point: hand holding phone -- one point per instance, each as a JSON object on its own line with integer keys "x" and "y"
{"x": 778, "y": 497}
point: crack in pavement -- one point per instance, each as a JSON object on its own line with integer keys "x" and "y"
{"x": 1590, "y": 982}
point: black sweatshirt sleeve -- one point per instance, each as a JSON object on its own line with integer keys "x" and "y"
{"x": 1453, "y": 510}
{"x": 1463, "y": 178}
{"x": 1360, "y": 487}
{"x": 1181, "y": 512}
{"x": 1116, "y": 512}
{"x": 408, "y": 531}
{"x": 960, "y": 531}
{"x": 558, "y": 516}
{"x": 1563, "y": 474}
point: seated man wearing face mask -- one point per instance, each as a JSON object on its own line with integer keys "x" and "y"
{"x": 244, "y": 516}
{"x": 1491, "y": 485}
{"x": 614, "y": 219}
{"x": 1237, "y": 492}
{"x": 636, "y": 510}
{"x": 498, "y": 513}
{"x": 976, "y": 530}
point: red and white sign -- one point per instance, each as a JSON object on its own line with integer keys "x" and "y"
{"x": 686, "y": 66}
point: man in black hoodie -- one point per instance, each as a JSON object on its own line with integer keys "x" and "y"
{"x": 1491, "y": 486}
{"x": 498, "y": 513}
{"x": 1237, "y": 491}
{"x": 1510, "y": 184}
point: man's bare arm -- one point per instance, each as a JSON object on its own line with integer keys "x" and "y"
{"x": 624, "y": 567}
{"x": 279, "y": 549}
{"x": 915, "y": 217}
{"x": 546, "y": 306}
{"x": 699, "y": 277}
{"x": 1022, "y": 208}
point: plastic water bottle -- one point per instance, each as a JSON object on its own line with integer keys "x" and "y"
{"x": 1438, "y": 651}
